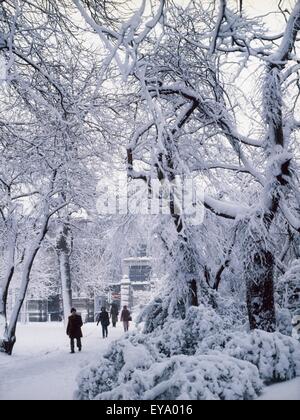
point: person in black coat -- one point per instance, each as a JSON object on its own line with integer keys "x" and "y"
{"x": 114, "y": 313}
{"x": 103, "y": 317}
{"x": 74, "y": 330}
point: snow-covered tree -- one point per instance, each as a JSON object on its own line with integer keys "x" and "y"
{"x": 51, "y": 149}
{"x": 188, "y": 63}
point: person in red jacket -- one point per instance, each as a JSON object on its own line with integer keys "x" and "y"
{"x": 125, "y": 318}
{"x": 74, "y": 330}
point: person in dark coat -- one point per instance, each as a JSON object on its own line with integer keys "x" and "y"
{"x": 103, "y": 317}
{"x": 125, "y": 318}
{"x": 74, "y": 330}
{"x": 114, "y": 313}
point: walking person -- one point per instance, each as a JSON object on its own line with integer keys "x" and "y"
{"x": 125, "y": 318}
{"x": 74, "y": 330}
{"x": 114, "y": 313}
{"x": 103, "y": 317}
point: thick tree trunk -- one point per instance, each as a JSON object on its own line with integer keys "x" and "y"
{"x": 189, "y": 262}
{"x": 260, "y": 291}
{"x": 193, "y": 298}
{"x": 63, "y": 252}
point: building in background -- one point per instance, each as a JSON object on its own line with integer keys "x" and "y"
{"x": 134, "y": 289}
{"x": 137, "y": 282}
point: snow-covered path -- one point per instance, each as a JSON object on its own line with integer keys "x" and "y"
{"x": 42, "y": 368}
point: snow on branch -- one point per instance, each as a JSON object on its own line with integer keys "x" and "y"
{"x": 103, "y": 33}
{"x": 224, "y": 209}
{"x": 139, "y": 133}
{"x": 126, "y": 37}
{"x": 293, "y": 220}
{"x": 217, "y": 114}
{"x": 296, "y": 125}
{"x": 289, "y": 38}
{"x": 43, "y": 72}
{"x": 289, "y": 72}
{"x": 99, "y": 29}
{"x": 248, "y": 141}
{"x": 151, "y": 23}
{"x": 273, "y": 94}
{"x": 208, "y": 107}
{"x": 218, "y": 26}
{"x": 219, "y": 165}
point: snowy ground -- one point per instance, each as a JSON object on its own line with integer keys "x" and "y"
{"x": 288, "y": 391}
{"x": 42, "y": 368}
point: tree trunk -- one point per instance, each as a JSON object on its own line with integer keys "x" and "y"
{"x": 189, "y": 261}
{"x": 63, "y": 252}
{"x": 260, "y": 291}
{"x": 10, "y": 338}
{"x": 193, "y": 289}
{"x": 4, "y": 293}
{"x": 3, "y": 307}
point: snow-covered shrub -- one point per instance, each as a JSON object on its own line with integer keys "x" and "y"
{"x": 296, "y": 325}
{"x": 184, "y": 336}
{"x": 139, "y": 375}
{"x": 121, "y": 360}
{"x": 171, "y": 339}
{"x": 232, "y": 310}
{"x": 276, "y": 356}
{"x": 197, "y": 357}
{"x": 154, "y": 315}
{"x": 190, "y": 378}
{"x": 284, "y": 321}
{"x": 288, "y": 288}
{"x": 95, "y": 379}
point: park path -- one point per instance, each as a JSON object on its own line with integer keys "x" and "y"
{"x": 42, "y": 368}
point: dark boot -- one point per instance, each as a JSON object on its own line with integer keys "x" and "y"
{"x": 79, "y": 344}
{"x": 72, "y": 346}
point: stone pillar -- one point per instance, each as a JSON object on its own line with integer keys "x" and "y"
{"x": 125, "y": 291}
